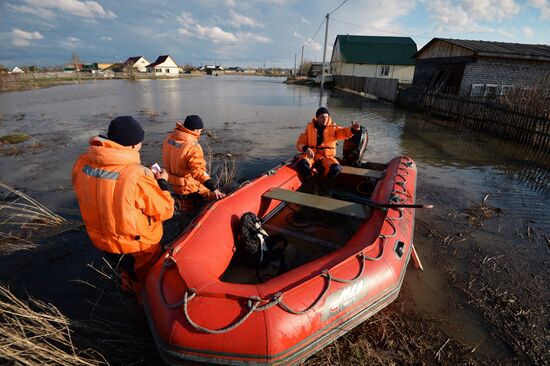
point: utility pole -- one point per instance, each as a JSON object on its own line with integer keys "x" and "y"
{"x": 323, "y": 64}
{"x": 302, "y": 62}
{"x": 294, "y": 65}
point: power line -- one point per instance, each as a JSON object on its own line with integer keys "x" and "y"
{"x": 320, "y": 25}
{"x": 380, "y": 30}
{"x": 338, "y": 7}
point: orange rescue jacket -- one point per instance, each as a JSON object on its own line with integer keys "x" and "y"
{"x": 331, "y": 134}
{"x": 120, "y": 201}
{"x": 183, "y": 159}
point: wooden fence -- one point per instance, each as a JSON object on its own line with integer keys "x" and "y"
{"x": 491, "y": 117}
{"x": 382, "y": 88}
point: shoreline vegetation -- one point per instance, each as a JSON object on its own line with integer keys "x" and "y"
{"x": 30, "y": 81}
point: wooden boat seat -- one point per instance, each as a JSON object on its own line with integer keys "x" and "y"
{"x": 319, "y": 202}
{"x": 362, "y": 172}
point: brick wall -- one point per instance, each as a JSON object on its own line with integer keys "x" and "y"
{"x": 504, "y": 72}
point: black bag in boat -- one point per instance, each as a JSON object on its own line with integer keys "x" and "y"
{"x": 255, "y": 246}
{"x": 355, "y": 147}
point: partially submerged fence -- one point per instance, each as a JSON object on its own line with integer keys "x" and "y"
{"x": 382, "y": 88}
{"x": 518, "y": 124}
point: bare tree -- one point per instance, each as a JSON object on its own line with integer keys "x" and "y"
{"x": 75, "y": 61}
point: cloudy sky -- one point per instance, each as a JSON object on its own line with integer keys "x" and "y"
{"x": 246, "y": 32}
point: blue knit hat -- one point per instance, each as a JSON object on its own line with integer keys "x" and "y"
{"x": 126, "y": 131}
{"x": 193, "y": 122}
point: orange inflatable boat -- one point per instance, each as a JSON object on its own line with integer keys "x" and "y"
{"x": 345, "y": 260}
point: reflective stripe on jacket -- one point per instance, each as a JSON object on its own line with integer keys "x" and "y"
{"x": 183, "y": 159}
{"x": 331, "y": 134}
{"x": 120, "y": 201}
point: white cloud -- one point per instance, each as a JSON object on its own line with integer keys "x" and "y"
{"x": 109, "y": 39}
{"x": 468, "y": 15}
{"x": 253, "y": 37}
{"x": 238, "y": 20}
{"x": 215, "y": 34}
{"x": 186, "y": 19}
{"x": 304, "y": 20}
{"x": 23, "y": 38}
{"x": 505, "y": 33}
{"x": 312, "y": 45}
{"x": 39, "y": 12}
{"x": 70, "y": 42}
{"x": 543, "y": 6}
{"x": 489, "y": 9}
{"x": 84, "y": 9}
{"x": 184, "y": 32}
{"x": 528, "y": 32}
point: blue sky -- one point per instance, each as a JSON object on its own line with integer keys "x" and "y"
{"x": 246, "y": 32}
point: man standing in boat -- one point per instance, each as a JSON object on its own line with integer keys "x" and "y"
{"x": 183, "y": 158}
{"x": 318, "y": 145}
{"x": 123, "y": 203}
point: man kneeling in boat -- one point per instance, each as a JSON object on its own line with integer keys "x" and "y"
{"x": 123, "y": 203}
{"x": 318, "y": 145}
{"x": 183, "y": 158}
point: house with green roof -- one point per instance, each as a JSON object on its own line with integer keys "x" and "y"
{"x": 373, "y": 56}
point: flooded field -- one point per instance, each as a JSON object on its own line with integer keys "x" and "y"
{"x": 484, "y": 293}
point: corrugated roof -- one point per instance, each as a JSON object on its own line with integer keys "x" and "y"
{"x": 376, "y": 49}
{"x": 500, "y": 49}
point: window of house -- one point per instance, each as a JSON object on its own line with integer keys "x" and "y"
{"x": 505, "y": 89}
{"x": 167, "y": 71}
{"x": 384, "y": 70}
{"x": 158, "y": 70}
{"x": 477, "y": 90}
{"x": 491, "y": 90}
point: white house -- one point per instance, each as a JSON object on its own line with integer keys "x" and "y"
{"x": 138, "y": 62}
{"x": 16, "y": 70}
{"x": 164, "y": 66}
{"x": 373, "y": 56}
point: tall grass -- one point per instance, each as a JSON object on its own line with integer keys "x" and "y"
{"x": 18, "y": 209}
{"x": 36, "y": 333}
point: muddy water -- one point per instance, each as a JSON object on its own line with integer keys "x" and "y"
{"x": 257, "y": 120}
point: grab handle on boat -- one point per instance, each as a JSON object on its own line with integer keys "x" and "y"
{"x": 169, "y": 261}
{"x": 252, "y": 304}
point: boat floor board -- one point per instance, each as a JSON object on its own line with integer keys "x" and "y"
{"x": 362, "y": 172}
{"x": 319, "y": 202}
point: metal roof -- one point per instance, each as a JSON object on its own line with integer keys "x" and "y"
{"x": 499, "y": 49}
{"x": 159, "y": 60}
{"x": 376, "y": 49}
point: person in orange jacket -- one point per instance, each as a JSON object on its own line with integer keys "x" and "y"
{"x": 123, "y": 203}
{"x": 183, "y": 158}
{"x": 318, "y": 145}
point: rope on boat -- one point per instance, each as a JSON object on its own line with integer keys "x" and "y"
{"x": 279, "y": 297}
{"x": 361, "y": 258}
{"x": 169, "y": 261}
{"x": 252, "y": 304}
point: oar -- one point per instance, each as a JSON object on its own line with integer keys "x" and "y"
{"x": 369, "y": 202}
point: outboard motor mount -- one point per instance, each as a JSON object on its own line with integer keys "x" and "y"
{"x": 355, "y": 147}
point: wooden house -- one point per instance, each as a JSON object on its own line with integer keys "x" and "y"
{"x": 373, "y": 56}
{"x": 480, "y": 68}
{"x": 164, "y": 66}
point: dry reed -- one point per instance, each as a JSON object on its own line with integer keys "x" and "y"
{"x": 221, "y": 166}
{"x": 36, "y": 333}
{"x": 18, "y": 209}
